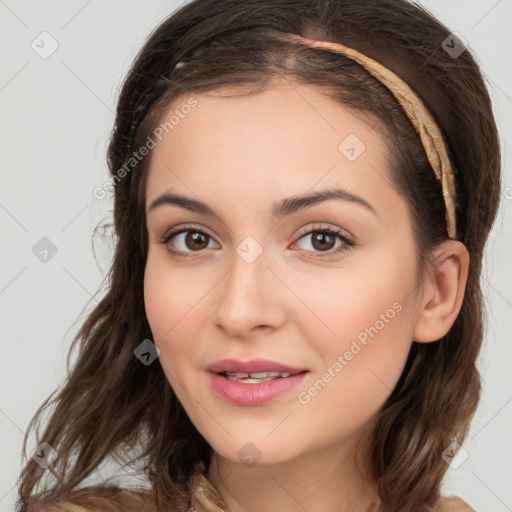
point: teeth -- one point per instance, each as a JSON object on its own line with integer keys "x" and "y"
{"x": 249, "y": 381}
{"x": 264, "y": 375}
{"x": 261, "y": 375}
{"x": 255, "y": 378}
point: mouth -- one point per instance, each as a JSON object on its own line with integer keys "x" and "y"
{"x": 256, "y": 368}
{"x": 256, "y": 378}
{"x": 253, "y": 389}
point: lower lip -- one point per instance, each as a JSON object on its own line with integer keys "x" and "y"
{"x": 253, "y": 394}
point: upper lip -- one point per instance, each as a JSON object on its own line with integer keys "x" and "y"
{"x": 252, "y": 366}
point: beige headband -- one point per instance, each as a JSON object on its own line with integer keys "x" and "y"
{"x": 416, "y": 111}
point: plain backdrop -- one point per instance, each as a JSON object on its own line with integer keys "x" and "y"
{"x": 56, "y": 114}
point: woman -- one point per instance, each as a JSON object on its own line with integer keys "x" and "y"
{"x": 303, "y": 192}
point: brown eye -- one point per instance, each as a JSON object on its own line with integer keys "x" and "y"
{"x": 325, "y": 240}
{"x": 195, "y": 240}
{"x": 186, "y": 241}
{"x": 322, "y": 241}
{"x": 190, "y": 239}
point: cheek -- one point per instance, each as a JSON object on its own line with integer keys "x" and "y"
{"x": 361, "y": 330}
{"x": 158, "y": 298}
{"x": 350, "y": 304}
{"x": 174, "y": 310}
{"x": 357, "y": 373}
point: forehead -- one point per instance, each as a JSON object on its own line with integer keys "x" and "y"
{"x": 278, "y": 142}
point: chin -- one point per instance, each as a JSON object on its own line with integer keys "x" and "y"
{"x": 261, "y": 445}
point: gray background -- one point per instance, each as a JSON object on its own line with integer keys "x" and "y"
{"x": 56, "y": 114}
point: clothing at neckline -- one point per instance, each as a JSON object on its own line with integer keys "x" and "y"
{"x": 205, "y": 497}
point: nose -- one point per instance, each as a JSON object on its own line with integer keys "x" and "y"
{"x": 250, "y": 299}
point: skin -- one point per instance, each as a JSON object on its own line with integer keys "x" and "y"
{"x": 296, "y": 303}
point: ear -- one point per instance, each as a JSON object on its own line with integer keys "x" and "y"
{"x": 443, "y": 292}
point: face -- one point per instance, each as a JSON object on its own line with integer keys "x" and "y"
{"x": 326, "y": 285}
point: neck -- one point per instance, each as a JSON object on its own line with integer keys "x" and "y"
{"x": 328, "y": 480}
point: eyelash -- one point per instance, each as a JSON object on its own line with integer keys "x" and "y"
{"x": 347, "y": 243}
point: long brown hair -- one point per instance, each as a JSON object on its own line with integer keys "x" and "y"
{"x": 103, "y": 408}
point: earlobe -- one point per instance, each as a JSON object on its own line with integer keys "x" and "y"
{"x": 444, "y": 293}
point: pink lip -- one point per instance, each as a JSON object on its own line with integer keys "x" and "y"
{"x": 253, "y": 394}
{"x": 252, "y": 366}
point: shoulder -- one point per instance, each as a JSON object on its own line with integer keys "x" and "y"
{"x": 454, "y": 504}
{"x": 98, "y": 499}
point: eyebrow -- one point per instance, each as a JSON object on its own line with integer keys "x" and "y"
{"x": 280, "y": 209}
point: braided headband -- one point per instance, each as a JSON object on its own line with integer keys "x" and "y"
{"x": 416, "y": 111}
